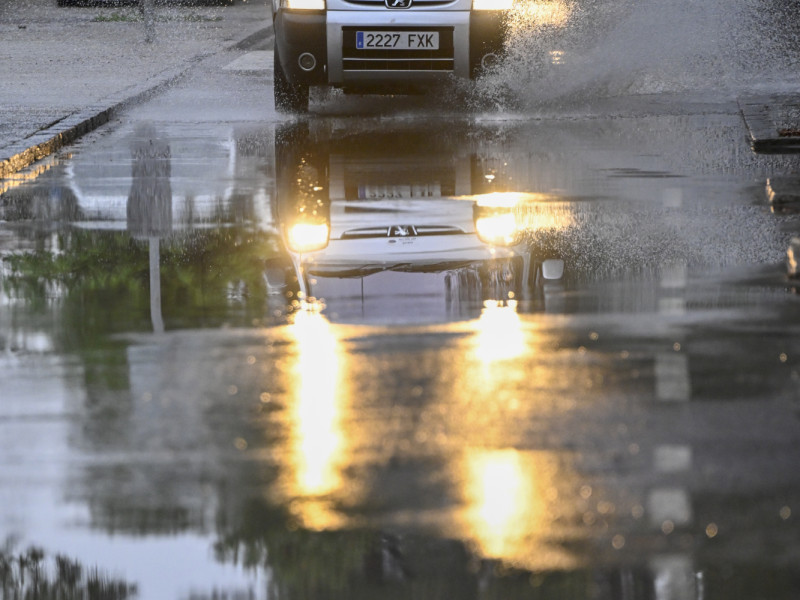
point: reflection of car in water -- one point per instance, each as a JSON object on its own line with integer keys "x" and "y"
{"x": 380, "y": 45}
{"x": 397, "y": 225}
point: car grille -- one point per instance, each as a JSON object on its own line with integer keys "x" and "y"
{"x": 398, "y": 60}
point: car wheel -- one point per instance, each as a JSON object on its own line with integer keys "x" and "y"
{"x": 289, "y": 97}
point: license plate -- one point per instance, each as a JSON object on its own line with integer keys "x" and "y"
{"x": 397, "y": 40}
{"x": 398, "y": 192}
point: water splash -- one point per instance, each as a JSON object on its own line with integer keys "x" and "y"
{"x": 572, "y": 50}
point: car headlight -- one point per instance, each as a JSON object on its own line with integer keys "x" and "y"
{"x": 492, "y": 4}
{"x": 308, "y": 237}
{"x": 498, "y": 229}
{"x": 303, "y": 4}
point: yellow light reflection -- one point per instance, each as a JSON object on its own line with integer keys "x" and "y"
{"x": 504, "y": 199}
{"x": 501, "y": 497}
{"x": 317, "y": 438}
{"x": 552, "y": 216}
{"x": 542, "y": 13}
{"x": 531, "y": 211}
{"x": 27, "y": 176}
{"x": 511, "y": 504}
{"x": 500, "y": 335}
{"x": 498, "y": 229}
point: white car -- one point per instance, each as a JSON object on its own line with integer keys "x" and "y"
{"x": 381, "y": 46}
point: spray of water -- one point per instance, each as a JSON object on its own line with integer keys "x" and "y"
{"x": 572, "y": 50}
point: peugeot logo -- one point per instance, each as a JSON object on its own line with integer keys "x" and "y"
{"x": 402, "y": 231}
{"x": 399, "y": 3}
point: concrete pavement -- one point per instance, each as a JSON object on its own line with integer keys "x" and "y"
{"x": 66, "y": 70}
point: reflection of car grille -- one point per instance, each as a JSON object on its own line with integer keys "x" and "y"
{"x": 400, "y": 231}
{"x": 398, "y": 60}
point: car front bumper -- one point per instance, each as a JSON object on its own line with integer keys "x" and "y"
{"x": 467, "y": 37}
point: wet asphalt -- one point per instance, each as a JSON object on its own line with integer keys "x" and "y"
{"x": 442, "y": 420}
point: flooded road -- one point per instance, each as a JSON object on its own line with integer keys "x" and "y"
{"x": 392, "y": 351}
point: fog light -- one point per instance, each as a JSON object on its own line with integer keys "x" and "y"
{"x": 307, "y": 62}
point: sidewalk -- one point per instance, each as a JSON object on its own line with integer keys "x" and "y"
{"x": 66, "y": 71}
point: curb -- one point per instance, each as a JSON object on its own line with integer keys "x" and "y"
{"x": 65, "y": 131}
{"x": 62, "y": 133}
{"x": 765, "y": 138}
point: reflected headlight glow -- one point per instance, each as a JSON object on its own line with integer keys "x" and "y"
{"x": 307, "y": 237}
{"x": 316, "y": 409}
{"x": 317, "y": 438}
{"x": 542, "y": 13}
{"x": 501, "y": 218}
{"x": 500, "y": 336}
{"x": 500, "y": 199}
{"x": 303, "y": 4}
{"x": 501, "y": 494}
{"x": 512, "y": 504}
{"x": 499, "y": 229}
{"x": 492, "y": 4}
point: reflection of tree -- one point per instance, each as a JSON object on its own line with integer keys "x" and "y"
{"x": 98, "y": 287}
{"x": 307, "y": 561}
{"x": 368, "y": 563}
{"x": 30, "y": 575}
{"x": 103, "y": 280}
